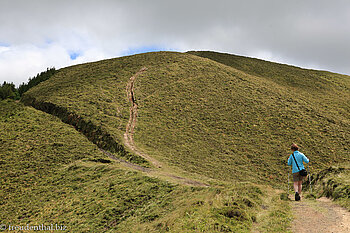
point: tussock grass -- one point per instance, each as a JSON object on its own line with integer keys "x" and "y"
{"x": 275, "y": 213}
{"x": 334, "y": 183}
{"x": 52, "y": 174}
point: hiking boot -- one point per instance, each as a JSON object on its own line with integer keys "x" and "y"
{"x": 297, "y": 196}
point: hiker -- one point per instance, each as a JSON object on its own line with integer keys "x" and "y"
{"x": 297, "y": 178}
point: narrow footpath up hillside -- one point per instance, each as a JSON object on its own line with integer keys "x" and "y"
{"x": 129, "y": 141}
{"x": 130, "y": 127}
{"x": 320, "y": 215}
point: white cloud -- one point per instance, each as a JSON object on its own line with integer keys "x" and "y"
{"x": 18, "y": 63}
{"x": 42, "y": 33}
{"x": 4, "y": 49}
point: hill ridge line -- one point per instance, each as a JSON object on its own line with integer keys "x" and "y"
{"x": 94, "y": 133}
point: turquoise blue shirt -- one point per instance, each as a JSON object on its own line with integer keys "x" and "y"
{"x": 300, "y": 158}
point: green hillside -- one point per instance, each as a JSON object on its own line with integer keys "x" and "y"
{"x": 226, "y": 117}
{"x": 51, "y": 174}
{"x": 171, "y": 142}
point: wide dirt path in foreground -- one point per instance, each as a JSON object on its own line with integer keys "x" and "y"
{"x": 320, "y": 215}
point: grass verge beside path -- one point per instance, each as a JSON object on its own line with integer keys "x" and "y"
{"x": 275, "y": 213}
{"x": 334, "y": 183}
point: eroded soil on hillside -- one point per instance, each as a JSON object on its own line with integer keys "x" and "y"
{"x": 129, "y": 140}
{"x": 130, "y": 127}
{"x": 320, "y": 215}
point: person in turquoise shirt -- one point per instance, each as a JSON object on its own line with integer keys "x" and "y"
{"x": 297, "y": 178}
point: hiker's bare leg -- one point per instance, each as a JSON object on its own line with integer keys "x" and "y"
{"x": 300, "y": 182}
{"x": 296, "y": 186}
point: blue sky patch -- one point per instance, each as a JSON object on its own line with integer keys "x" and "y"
{"x": 48, "y": 41}
{"x": 145, "y": 49}
{"x": 74, "y": 55}
{"x": 3, "y": 44}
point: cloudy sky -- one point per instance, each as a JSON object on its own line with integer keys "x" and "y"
{"x": 37, "y": 34}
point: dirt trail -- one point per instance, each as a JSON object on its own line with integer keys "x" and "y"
{"x": 126, "y": 163}
{"x": 130, "y": 127}
{"x": 129, "y": 142}
{"x": 320, "y": 215}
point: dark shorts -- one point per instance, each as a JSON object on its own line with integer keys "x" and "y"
{"x": 297, "y": 177}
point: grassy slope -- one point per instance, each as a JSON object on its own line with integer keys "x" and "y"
{"x": 230, "y": 121}
{"x": 334, "y": 182}
{"x": 52, "y": 174}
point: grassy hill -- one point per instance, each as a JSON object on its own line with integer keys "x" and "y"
{"x": 217, "y": 115}
{"x": 219, "y": 125}
{"x": 52, "y": 174}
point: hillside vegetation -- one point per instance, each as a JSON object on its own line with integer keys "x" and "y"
{"x": 334, "y": 183}
{"x": 216, "y": 115}
{"x": 218, "y": 125}
{"x": 9, "y": 90}
{"x": 51, "y": 174}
